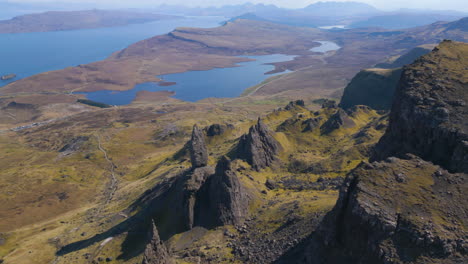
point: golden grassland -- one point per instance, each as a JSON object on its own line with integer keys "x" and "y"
{"x": 54, "y": 199}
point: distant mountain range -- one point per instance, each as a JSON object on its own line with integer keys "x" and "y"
{"x": 351, "y": 14}
{"x": 320, "y": 14}
{"x": 405, "y": 20}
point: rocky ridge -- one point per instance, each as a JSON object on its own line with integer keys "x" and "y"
{"x": 407, "y": 209}
{"x": 376, "y": 86}
{"x": 428, "y": 116}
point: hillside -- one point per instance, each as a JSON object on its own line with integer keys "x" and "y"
{"x": 373, "y": 87}
{"x": 376, "y": 86}
{"x": 409, "y": 208}
{"x": 315, "y": 75}
{"x": 281, "y": 174}
{"x": 73, "y": 20}
{"x": 404, "y": 20}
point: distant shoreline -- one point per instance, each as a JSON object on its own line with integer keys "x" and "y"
{"x": 75, "y": 20}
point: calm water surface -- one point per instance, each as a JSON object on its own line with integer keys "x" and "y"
{"x": 197, "y": 85}
{"x": 326, "y": 47}
{"x": 26, "y": 54}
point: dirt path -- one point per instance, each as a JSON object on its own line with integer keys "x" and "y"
{"x": 112, "y": 188}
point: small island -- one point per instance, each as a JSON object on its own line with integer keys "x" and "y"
{"x": 7, "y": 77}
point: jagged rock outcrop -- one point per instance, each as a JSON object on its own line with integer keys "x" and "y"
{"x": 311, "y": 123}
{"x": 396, "y": 211}
{"x": 407, "y": 209}
{"x": 294, "y": 104}
{"x": 74, "y": 144}
{"x": 223, "y": 200}
{"x": 336, "y": 121}
{"x": 428, "y": 116}
{"x": 156, "y": 252}
{"x": 217, "y": 129}
{"x": 199, "y": 196}
{"x": 329, "y": 104}
{"x": 174, "y": 207}
{"x": 197, "y": 148}
{"x": 259, "y": 148}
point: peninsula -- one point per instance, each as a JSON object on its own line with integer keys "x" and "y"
{"x": 73, "y": 20}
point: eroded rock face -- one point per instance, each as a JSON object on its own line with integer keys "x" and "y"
{"x": 311, "y": 123}
{"x": 396, "y": 211}
{"x": 156, "y": 252}
{"x": 192, "y": 184}
{"x": 409, "y": 210}
{"x": 371, "y": 87}
{"x": 197, "y": 148}
{"x": 223, "y": 200}
{"x": 174, "y": 208}
{"x": 259, "y": 148}
{"x": 199, "y": 196}
{"x": 429, "y": 114}
{"x": 217, "y": 129}
{"x": 336, "y": 121}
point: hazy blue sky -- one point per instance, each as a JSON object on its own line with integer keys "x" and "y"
{"x": 460, "y": 5}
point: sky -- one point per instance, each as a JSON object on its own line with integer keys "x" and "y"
{"x": 459, "y": 5}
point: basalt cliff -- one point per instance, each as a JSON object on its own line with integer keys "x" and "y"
{"x": 408, "y": 205}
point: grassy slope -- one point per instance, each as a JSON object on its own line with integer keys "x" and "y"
{"x": 141, "y": 143}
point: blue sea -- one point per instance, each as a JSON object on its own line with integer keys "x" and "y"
{"x": 26, "y": 54}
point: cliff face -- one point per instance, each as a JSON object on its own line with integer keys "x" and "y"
{"x": 396, "y": 211}
{"x": 409, "y": 210}
{"x": 371, "y": 87}
{"x": 223, "y": 200}
{"x": 375, "y": 87}
{"x": 407, "y": 58}
{"x": 428, "y": 116}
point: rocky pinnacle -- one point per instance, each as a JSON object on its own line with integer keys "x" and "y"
{"x": 259, "y": 148}
{"x": 156, "y": 252}
{"x": 197, "y": 145}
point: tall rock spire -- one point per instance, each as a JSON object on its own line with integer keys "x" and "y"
{"x": 197, "y": 146}
{"x": 156, "y": 252}
{"x": 223, "y": 200}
